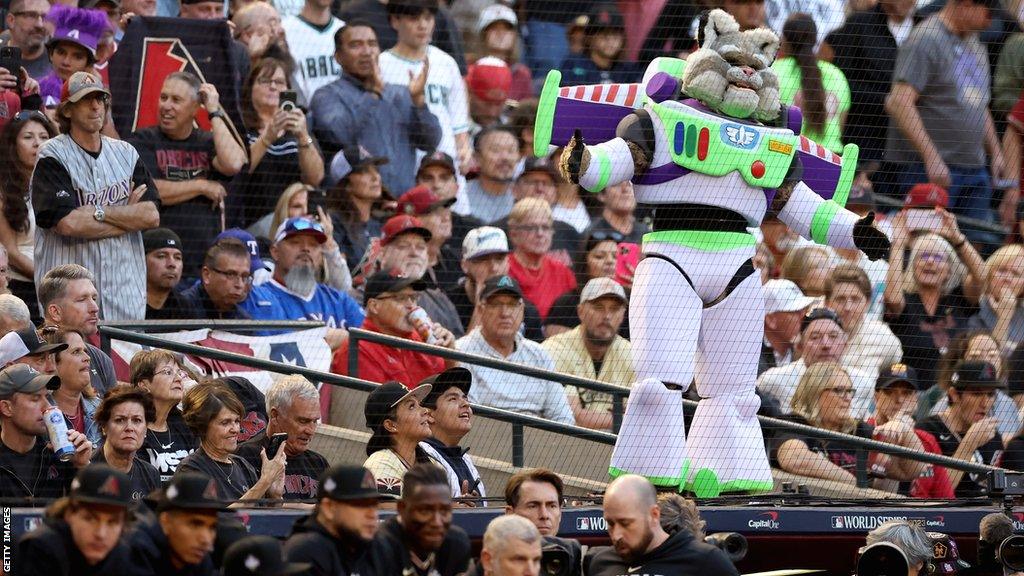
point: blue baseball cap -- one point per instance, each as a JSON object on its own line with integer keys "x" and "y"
{"x": 255, "y": 262}
{"x": 300, "y": 225}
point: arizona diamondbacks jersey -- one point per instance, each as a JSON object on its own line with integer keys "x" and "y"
{"x": 66, "y": 177}
{"x": 312, "y": 47}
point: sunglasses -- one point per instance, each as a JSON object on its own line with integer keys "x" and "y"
{"x": 303, "y": 224}
{"x": 26, "y": 115}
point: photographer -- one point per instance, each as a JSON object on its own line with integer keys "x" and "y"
{"x": 908, "y": 537}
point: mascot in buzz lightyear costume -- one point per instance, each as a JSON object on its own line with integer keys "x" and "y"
{"x": 709, "y": 145}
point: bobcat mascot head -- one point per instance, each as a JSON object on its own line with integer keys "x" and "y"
{"x": 731, "y": 71}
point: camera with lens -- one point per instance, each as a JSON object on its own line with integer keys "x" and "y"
{"x": 1011, "y": 553}
{"x": 560, "y": 557}
{"x": 882, "y": 559}
{"x": 732, "y": 543}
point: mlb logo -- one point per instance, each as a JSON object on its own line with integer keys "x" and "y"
{"x": 837, "y": 522}
{"x": 583, "y": 524}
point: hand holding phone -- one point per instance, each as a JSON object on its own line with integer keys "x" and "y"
{"x": 287, "y": 100}
{"x": 924, "y": 219}
{"x": 627, "y": 256}
{"x": 276, "y": 441}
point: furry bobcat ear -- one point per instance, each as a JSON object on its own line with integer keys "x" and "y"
{"x": 767, "y": 43}
{"x": 713, "y": 24}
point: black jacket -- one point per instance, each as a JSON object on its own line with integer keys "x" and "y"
{"x": 51, "y": 478}
{"x": 391, "y": 552}
{"x": 680, "y": 555}
{"x": 151, "y": 553}
{"x": 50, "y": 549}
{"x": 311, "y": 542}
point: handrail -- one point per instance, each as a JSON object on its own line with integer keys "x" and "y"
{"x": 240, "y": 325}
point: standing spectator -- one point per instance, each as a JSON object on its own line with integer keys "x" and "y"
{"x": 542, "y": 277}
{"x": 870, "y": 344}
{"x": 398, "y": 424}
{"x": 20, "y": 142}
{"x": 257, "y": 25}
{"x": 784, "y": 307}
{"x": 818, "y": 88}
{"x": 293, "y": 405}
{"x": 537, "y": 495}
{"x": 1011, "y": 210}
{"x": 413, "y": 55}
{"x": 496, "y": 151}
{"x": 618, "y": 214}
{"x": 163, "y": 272}
{"x": 375, "y": 14}
{"x": 215, "y": 10}
{"x": 450, "y": 420}
{"x": 281, "y": 151}
{"x": 26, "y": 23}
{"x": 356, "y": 203}
{"x": 359, "y": 109}
{"x": 500, "y": 309}
{"x": 122, "y": 417}
{"x": 168, "y": 439}
{"x": 435, "y": 213}
{"x": 595, "y": 351}
{"x": 489, "y": 81}
{"x": 189, "y": 165}
{"x": 224, "y": 282}
{"x": 72, "y": 47}
{"x": 75, "y": 397}
{"x": 602, "y": 61}
{"x": 749, "y": 14}
{"x": 92, "y": 195}
{"x": 69, "y": 300}
{"x": 547, "y": 24}
{"x": 498, "y": 30}
{"x": 941, "y": 127}
{"x": 310, "y": 37}
{"x": 511, "y": 546}
{"x": 1000, "y": 309}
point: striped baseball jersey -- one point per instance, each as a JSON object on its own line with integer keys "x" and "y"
{"x": 66, "y": 177}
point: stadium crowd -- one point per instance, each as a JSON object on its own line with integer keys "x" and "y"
{"x": 383, "y": 178}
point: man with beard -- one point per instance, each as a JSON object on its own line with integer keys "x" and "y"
{"x": 594, "y": 350}
{"x": 163, "y": 272}
{"x": 641, "y": 546}
{"x": 25, "y": 21}
{"x": 293, "y": 293}
{"x": 334, "y": 539}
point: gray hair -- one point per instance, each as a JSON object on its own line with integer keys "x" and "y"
{"x": 957, "y": 269}
{"x": 509, "y": 527}
{"x": 189, "y": 78}
{"x": 908, "y": 537}
{"x": 14, "y": 314}
{"x": 55, "y": 282}
{"x": 283, "y": 392}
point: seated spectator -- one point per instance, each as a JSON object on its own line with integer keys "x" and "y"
{"x": 421, "y": 536}
{"x": 510, "y": 543}
{"x": 389, "y": 302}
{"x": 450, "y": 420}
{"x": 540, "y": 179}
{"x": 595, "y": 351}
{"x": 72, "y": 47}
{"x": 784, "y": 307}
{"x": 870, "y": 344}
{"x": 437, "y": 172}
{"x": 536, "y": 494}
{"x": 926, "y": 304}
{"x": 965, "y": 430}
{"x": 294, "y": 293}
{"x": 356, "y": 203}
{"x": 257, "y": 267}
{"x": 168, "y": 439}
{"x": 484, "y": 255}
{"x": 163, "y": 273}
{"x": 180, "y": 538}
{"x": 293, "y": 405}
{"x": 823, "y": 399}
{"x": 618, "y": 215}
{"x": 190, "y": 166}
{"x": 25, "y": 346}
{"x": 542, "y": 277}
{"x": 496, "y": 152}
{"x": 489, "y": 81}
{"x": 498, "y": 29}
{"x": 602, "y": 61}
{"x": 398, "y": 423}
{"x": 910, "y": 538}
{"x": 291, "y": 203}
{"x": 81, "y": 533}
{"x": 75, "y": 397}
{"x": 600, "y": 252}
{"x": 224, "y": 282}
{"x": 14, "y": 314}
{"x": 69, "y": 301}
{"x": 24, "y": 454}
{"x": 500, "y": 309}
{"x": 809, "y": 267}
{"x": 999, "y": 308}
{"x": 821, "y": 339}
{"x": 435, "y": 214}
{"x": 123, "y": 417}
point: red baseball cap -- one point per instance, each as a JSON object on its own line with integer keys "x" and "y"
{"x": 403, "y": 224}
{"x": 490, "y": 79}
{"x": 421, "y": 200}
{"x": 926, "y": 195}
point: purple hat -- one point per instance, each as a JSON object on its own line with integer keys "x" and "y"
{"x": 78, "y": 26}
{"x": 255, "y": 262}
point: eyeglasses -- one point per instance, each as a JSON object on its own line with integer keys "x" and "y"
{"x": 843, "y": 391}
{"x": 30, "y": 15}
{"x": 401, "y": 298}
{"x": 273, "y": 82}
{"x": 930, "y": 256}
{"x": 233, "y": 276}
{"x": 171, "y": 372}
{"x": 535, "y": 229}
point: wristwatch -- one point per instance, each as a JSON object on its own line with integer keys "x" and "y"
{"x": 99, "y": 214}
{"x": 218, "y": 114}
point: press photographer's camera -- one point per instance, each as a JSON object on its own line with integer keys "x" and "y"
{"x": 733, "y": 544}
{"x": 560, "y": 557}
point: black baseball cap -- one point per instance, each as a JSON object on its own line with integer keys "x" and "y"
{"x": 383, "y": 282}
{"x": 345, "y": 482}
{"x": 543, "y": 165}
{"x": 975, "y": 374}
{"x": 190, "y": 491}
{"x": 436, "y": 158}
{"x": 24, "y": 379}
{"x": 259, "y": 556}
{"x": 25, "y": 342}
{"x": 819, "y": 314}
{"x": 457, "y": 376}
{"x": 101, "y": 484}
{"x": 503, "y": 284}
{"x": 353, "y": 159}
{"x": 898, "y": 373}
{"x": 379, "y": 404}
{"x": 159, "y": 238}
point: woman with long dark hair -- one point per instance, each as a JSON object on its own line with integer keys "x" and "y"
{"x": 358, "y": 204}
{"x": 818, "y": 88}
{"x": 19, "y": 146}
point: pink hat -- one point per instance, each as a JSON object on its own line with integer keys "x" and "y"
{"x": 490, "y": 79}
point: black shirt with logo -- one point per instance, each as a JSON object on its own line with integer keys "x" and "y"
{"x": 165, "y": 450}
{"x": 233, "y": 480}
{"x": 301, "y": 475}
{"x": 841, "y": 455}
{"x": 35, "y": 474}
{"x": 143, "y": 476}
{"x": 971, "y": 484}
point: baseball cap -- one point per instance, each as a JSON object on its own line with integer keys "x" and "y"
{"x": 345, "y": 482}
{"x": 25, "y": 342}
{"x": 255, "y": 262}
{"x": 80, "y": 85}
{"x": 101, "y": 484}
{"x": 403, "y": 224}
{"x": 926, "y": 195}
{"x": 420, "y": 200}
{"x": 24, "y": 379}
{"x": 601, "y": 287}
{"x": 503, "y": 284}
{"x": 259, "y": 556}
{"x": 945, "y": 554}
{"x": 383, "y": 282}
{"x": 77, "y": 26}
{"x": 490, "y": 79}
{"x": 457, "y": 376}
{"x": 160, "y": 238}
{"x": 819, "y": 314}
{"x": 351, "y": 159}
{"x": 898, "y": 373}
{"x": 784, "y": 296}
{"x": 604, "y": 17}
{"x": 437, "y": 158}
{"x": 496, "y": 13}
{"x": 543, "y": 165}
{"x": 300, "y": 225}
{"x": 190, "y": 491}
{"x": 379, "y": 404}
{"x": 975, "y": 374}
{"x": 484, "y": 241}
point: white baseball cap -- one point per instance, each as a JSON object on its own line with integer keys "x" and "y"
{"x": 483, "y": 241}
{"x": 496, "y": 13}
{"x": 784, "y": 296}
{"x": 601, "y": 287}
